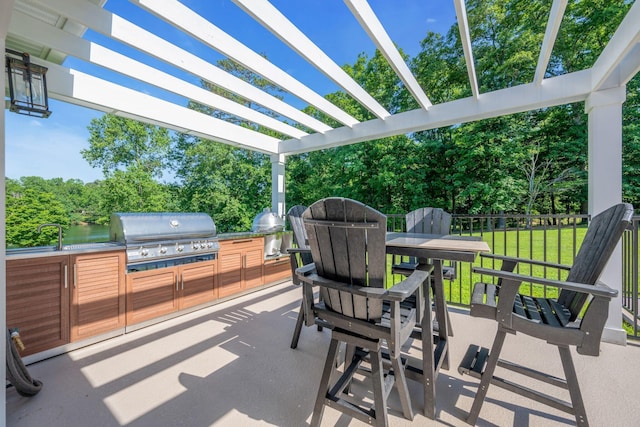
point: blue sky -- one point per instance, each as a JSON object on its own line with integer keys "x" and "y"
{"x": 50, "y": 148}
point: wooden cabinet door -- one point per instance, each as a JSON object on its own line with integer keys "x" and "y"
{"x": 253, "y": 264}
{"x": 230, "y": 272}
{"x": 151, "y": 294}
{"x": 38, "y": 301}
{"x": 197, "y": 283}
{"x": 240, "y": 264}
{"x": 278, "y": 269}
{"x": 97, "y": 294}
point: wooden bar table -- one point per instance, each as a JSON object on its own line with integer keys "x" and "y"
{"x": 434, "y": 248}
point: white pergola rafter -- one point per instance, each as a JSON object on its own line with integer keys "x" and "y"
{"x": 83, "y": 89}
{"x": 553, "y": 26}
{"x": 465, "y": 37}
{"x": 31, "y": 29}
{"x": 120, "y": 29}
{"x": 559, "y": 90}
{"x": 369, "y": 21}
{"x": 620, "y": 59}
{"x": 191, "y": 23}
{"x": 271, "y": 18}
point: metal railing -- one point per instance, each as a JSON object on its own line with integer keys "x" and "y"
{"x": 552, "y": 238}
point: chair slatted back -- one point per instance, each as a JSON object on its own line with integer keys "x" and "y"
{"x": 603, "y": 234}
{"x": 348, "y": 245}
{"x": 294, "y": 215}
{"x": 428, "y": 221}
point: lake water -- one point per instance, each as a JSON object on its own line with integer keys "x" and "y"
{"x": 86, "y": 234}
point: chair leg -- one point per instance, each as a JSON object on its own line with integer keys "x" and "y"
{"x": 298, "y": 328}
{"x": 379, "y": 395}
{"x": 573, "y": 386}
{"x": 401, "y": 385}
{"x": 318, "y": 408}
{"x": 492, "y": 362}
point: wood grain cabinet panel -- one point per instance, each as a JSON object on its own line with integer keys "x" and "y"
{"x": 277, "y": 269}
{"x": 240, "y": 264}
{"x": 38, "y": 301}
{"x": 97, "y": 294}
{"x": 197, "y": 283}
{"x": 151, "y": 294}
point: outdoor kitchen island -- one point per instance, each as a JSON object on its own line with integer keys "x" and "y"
{"x": 66, "y": 299}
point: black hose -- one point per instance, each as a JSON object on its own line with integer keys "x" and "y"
{"x": 17, "y": 373}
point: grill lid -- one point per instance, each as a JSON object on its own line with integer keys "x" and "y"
{"x": 141, "y": 227}
{"x": 267, "y": 222}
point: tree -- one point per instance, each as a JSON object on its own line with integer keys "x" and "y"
{"x": 132, "y": 156}
{"x": 29, "y": 209}
{"x": 117, "y": 143}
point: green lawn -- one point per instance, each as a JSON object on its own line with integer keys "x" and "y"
{"x": 553, "y": 245}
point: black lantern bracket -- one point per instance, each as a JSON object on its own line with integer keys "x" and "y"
{"x": 27, "y": 85}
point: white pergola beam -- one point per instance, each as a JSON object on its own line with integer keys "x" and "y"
{"x": 465, "y": 37}
{"x": 34, "y": 30}
{"x": 618, "y": 62}
{"x": 559, "y": 90}
{"x": 77, "y": 87}
{"x": 114, "y": 26}
{"x": 198, "y": 27}
{"x": 553, "y": 26}
{"x": 370, "y": 23}
{"x": 271, "y": 18}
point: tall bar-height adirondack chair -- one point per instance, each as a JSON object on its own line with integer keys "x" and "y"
{"x": 299, "y": 256}
{"x": 563, "y": 322}
{"x": 426, "y": 221}
{"x": 347, "y": 241}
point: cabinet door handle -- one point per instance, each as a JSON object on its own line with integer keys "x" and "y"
{"x": 66, "y": 276}
{"x": 235, "y": 242}
{"x": 182, "y": 280}
{"x": 75, "y": 275}
{"x": 177, "y": 288}
{"x": 244, "y": 261}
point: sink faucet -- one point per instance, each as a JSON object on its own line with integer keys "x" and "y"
{"x": 40, "y": 227}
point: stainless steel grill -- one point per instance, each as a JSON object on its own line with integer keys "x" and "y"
{"x": 161, "y": 239}
{"x": 269, "y": 224}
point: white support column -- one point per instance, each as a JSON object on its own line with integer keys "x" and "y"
{"x": 6, "y": 8}
{"x": 605, "y": 186}
{"x": 277, "y": 185}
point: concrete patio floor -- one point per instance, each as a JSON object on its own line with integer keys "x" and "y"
{"x": 231, "y": 365}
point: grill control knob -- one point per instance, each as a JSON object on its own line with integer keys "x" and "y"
{"x": 180, "y": 248}
{"x": 202, "y": 246}
{"x": 195, "y": 246}
{"x": 209, "y": 245}
{"x": 144, "y": 251}
{"x": 163, "y": 250}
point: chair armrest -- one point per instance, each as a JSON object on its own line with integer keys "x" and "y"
{"x": 511, "y": 279}
{"x": 305, "y": 270}
{"x": 400, "y": 291}
{"x": 525, "y": 261}
{"x": 298, "y": 251}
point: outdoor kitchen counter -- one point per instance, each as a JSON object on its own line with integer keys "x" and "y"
{"x": 48, "y": 251}
{"x": 239, "y": 235}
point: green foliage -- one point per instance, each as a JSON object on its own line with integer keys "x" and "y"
{"x": 118, "y": 143}
{"x": 27, "y": 210}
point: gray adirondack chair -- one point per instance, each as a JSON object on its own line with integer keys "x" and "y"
{"x": 561, "y": 322}
{"x": 299, "y": 256}
{"x": 425, "y": 221}
{"x": 347, "y": 241}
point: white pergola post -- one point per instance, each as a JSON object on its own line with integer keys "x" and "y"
{"x": 604, "y": 109}
{"x": 277, "y": 184}
{"x": 6, "y": 9}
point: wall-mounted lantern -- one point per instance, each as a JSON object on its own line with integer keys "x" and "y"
{"x": 27, "y": 85}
